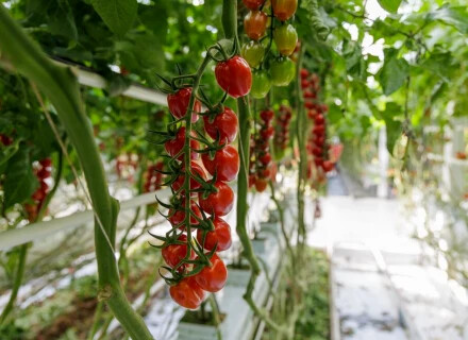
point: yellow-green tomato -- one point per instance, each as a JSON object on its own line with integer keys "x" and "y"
{"x": 261, "y": 84}
{"x": 282, "y": 72}
{"x": 285, "y": 38}
{"x": 253, "y": 52}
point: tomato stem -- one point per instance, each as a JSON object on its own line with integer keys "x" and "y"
{"x": 60, "y": 86}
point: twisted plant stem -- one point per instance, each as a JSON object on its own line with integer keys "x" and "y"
{"x": 301, "y": 128}
{"x": 61, "y": 87}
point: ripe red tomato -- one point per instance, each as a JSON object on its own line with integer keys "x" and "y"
{"x": 319, "y": 140}
{"x": 177, "y": 218}
{"x": 311, "y": 113}
{"x": 267, "y": 115}
{"x": 319, "y": 130}
{"x": 213, "y": 278}
{"x": 319, "y": 120}
{"x": 194, "y": 184}
{"x": 224, "y": 123}
{"x": 265, "y": 159}
{"x": 174, "y": 253}
{"x": 255, "y": 24}
{"x": 187, "y": 293}
{"x": 220, "y": 237}
{"x": 284, "y": 9}
{"x": 253, "y": 4}
{"x": 176, "y": 144}
{"x": 46, "y": 162}
{"x": 252, "y": 180}
{"x": 219, "y": 203}
{"x": 178, "y": 104}
{"x": 43, "y": 173}
{"x": 261, "y": 184}
{"x": 225, "y": 163}
{"x": 264, "y": 173}
{"x": 304, "y": 73}
{"x": 316, "y": 151}
{"x": 328, "y": 166}
{"x": 234, "y": 76}
{"x": 318, "y": 161}
{"x": 309, "y": 94}
{"x": 304, "y": 84}
{"x": 267, "y": 133}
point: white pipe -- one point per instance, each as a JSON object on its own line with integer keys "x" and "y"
{"x": 33, "y": 232}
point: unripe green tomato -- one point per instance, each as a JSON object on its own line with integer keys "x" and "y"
{"x": 282, "y": 72}
{"x": 253, "y": 53}
{"x": 285, "y": 38}
{"x": 261, "y": 84}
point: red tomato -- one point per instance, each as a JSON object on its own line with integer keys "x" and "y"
{"x": 309, "y": 94}
{"x": 255, "y": 24}
{"x": 46, "y": 162}
{"x": 267, "y": 115}
{"x": 324, "y": 108}
{"x": 225, "y": 163}
{"x": 319, "y": 130}
{"x": 253, "y": 4}
{"x": 304, "y": 83}
{"x": 177, "y": 218}
{"x": 234, "y": 76}
{"x": 219, "y": 203}
{"x": 176, "y": 144}
{"x": 174, "y": 253}
{"x": 319, "y": 120}
{"x": 265, "y": 159}
{"x": 304, "y": 73}
{"x": 284, "y": 9}
{"x": 318, "y": 161}
{"x": 319, "y": 140}
{"x": 224, "y": 123}
{"x": 178, "y": 103}
{"x": 187, "y": 293}
{"x": 316, "y": 151}
{"x": 267, "y": 133}
{"x": 252, "y": 180}
{"x": 328, "y": 166}
{"x": 194, "y": 184}
{"x": 261, "y": 184}
{"x": 213, "y": 278}
{"x": 311, "y": 113}
{"x": 220, "y": 237}
{"x": 264, "y": 173}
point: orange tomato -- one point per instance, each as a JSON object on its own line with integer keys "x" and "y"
{"x": 284, "y": 9}
{"x": 255, "y": 24}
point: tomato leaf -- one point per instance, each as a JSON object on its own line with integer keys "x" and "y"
{"x": 390, "y": 5}
{"x": 456, "y": 16}
{"x": 393, "y": 73}
{"x": 393, "y": 127}
{"x": 20, "y": 181}
{"x": 118, "y": 15}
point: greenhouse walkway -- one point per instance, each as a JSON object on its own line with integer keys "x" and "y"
{"x": 383, "y": 285}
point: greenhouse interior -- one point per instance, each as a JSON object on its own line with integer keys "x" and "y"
{"x": 234, "y": 169}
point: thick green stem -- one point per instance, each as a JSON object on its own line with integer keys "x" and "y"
{"x": 301, "y": 131}
{"x": 245, "y": 121}
{"x": 60, "y": 86}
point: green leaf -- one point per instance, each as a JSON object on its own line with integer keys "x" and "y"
{"x": 118, "y": 15}
{"x": 440, "y": 64}
{"x": 20, "y": 181}
{"x": 390, "y": 5}
{"x": 393, "y": 73}
{"x": 393, "y": 127}
{"x": 456, "y": 16}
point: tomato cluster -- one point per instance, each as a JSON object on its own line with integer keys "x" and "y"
{"x": 153, "y": 177}
{"x": 317, "y": 144}
{"x": 43, "y": 171}
{"x": 190, "y": 250}
{"x": 283, "y": 120}
{"x": 260, "y": 156}
{"x": 126, "y": 165}
{"x": 279, "y": 70}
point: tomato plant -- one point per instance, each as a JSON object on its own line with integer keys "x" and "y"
{"x": 234, "y": 76}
